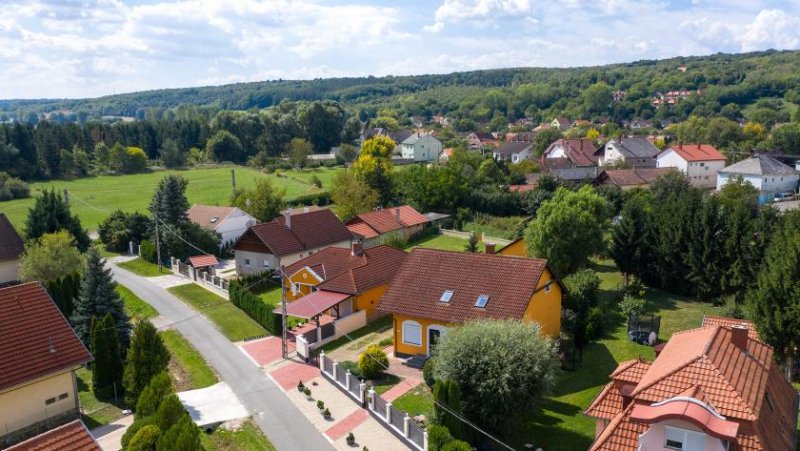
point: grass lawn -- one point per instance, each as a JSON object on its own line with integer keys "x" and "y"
{"x": 232, "y": 322}
{"x": 361, "y": 338}
{"x": 443, "y": 242}
{"x": 133, "y": 192}
{"x": 271, "y": 296}
{"x": 561, "y": 425}
{"x": 135, "y": 307}
{"x": 96, "y": 412}
{"x": 144, "y": 268}
{"x": 247, "y": 438}
{"x": 417, "y": 401}
{"x": 504, "y": 227}
{"x": 188, "y": 368}
{"x": 383, "y": 383}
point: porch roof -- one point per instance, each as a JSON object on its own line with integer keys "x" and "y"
{"x": 313, "y": 304}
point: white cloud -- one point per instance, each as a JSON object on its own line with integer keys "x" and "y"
{"x": 771, "y": 29}
{"x": 478, "y": 11}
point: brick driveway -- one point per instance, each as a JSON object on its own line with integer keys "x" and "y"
{"x": 265, "y": 351}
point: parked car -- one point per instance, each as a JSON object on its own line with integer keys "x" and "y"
{"x": 780, "y": 197}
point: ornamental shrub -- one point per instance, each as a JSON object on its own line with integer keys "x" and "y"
{"x": 427, "y": 372}
{"x": 372, "y": 362}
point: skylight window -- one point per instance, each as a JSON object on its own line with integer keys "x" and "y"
{"x": 482, "y": 300}
{"x": 214, "y": 219}
{"x": 446, "y": 296}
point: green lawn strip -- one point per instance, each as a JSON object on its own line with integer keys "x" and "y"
{"x": 384, "y": 382}
{"x": 144, "y": 268}
{"x": 246, "y": 438}
{"x": 135, "y": 307}
{"x": 133, "y": 192}
{"x": 232, "y": 322}
{"x": 443, "y": 242}
{"x": 417, "y": 401}
{"x": 96, "y": 412}
{"x": 560, "y": 424}
{"x": 360, "y": 338}
{"x": 197, "y": 371}
{"x": 272, "y": 297}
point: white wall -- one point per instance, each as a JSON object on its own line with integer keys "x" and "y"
{"x": 610, "y": 154}
{"x": 426, "y": 148}
{"x": 557, "y": 151}
{"x": 257, "y": 259}
{"x": 654, "y": 438}
{"x": 769, "y": 184}
{"x": 704, "y": 173}
{"x": 9, "y": 270}
{"x": 234, "y": 225}
{"x": 670, "y": 159}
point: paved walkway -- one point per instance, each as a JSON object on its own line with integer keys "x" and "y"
{"x": 265, "y": 351}
{"x": 110, "y": 435}
{"x": 285, "y": 426}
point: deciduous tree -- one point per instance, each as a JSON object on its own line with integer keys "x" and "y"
{"x": 374, "y": 166}
{"x": 264, "y": 201}
{"x": 49, "y": 258}
{"x": 351, "y": 195}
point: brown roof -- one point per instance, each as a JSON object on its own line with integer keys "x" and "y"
{"x": 510, "y": 282}
{"x": 309, "y": 230}
{"x": 347, "y": 273}
{"x": 580, "y": 151}
{"x": 745, "y": 386}
{"x": 386, "y": 220}
{"x": 631, "y": 177}
{"x": 202, "y": 261}
{"x": 696, "y": 152}
{"x": 208, "y": 216}
{"x": 11, "y": 245}
{"x": 70, "y": 437}
{"x": 35, "y": 338}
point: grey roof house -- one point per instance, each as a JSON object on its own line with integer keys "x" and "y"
{"x": 634, "y": 151}
{"x": 513, "y": 151}
{"x": 768, "y": 175}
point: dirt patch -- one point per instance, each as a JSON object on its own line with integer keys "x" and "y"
{"x": 180, "y": 377}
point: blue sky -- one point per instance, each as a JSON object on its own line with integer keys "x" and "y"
{"x": 88, "y": 48}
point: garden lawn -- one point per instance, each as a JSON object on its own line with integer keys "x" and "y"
{"x": 93, "y": 198}
{"x": 361, "y": 338}
{"x": 232, "y": 322}
{"x": 247, "y": 438}
{"x": 135, "y": 307}
{"x": 96, "y": 412}
{"x": 417, "y": 401}
{"x": 144, "y": 268}
{"x": 503, "y": 227}
{"x": 561, "y": 425}
{"x": 443, "y": 242}
{"x": 188, "y": 368}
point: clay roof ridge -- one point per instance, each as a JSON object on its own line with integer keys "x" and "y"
{"x": 611, "y": 427}
{"x": 721, "y": 377}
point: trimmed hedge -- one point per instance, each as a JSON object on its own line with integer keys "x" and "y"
{"x": 254, "y": 307}
{"x": 322, "y": 198}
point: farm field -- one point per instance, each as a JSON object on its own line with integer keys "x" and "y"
{"x": 95, "y": 197}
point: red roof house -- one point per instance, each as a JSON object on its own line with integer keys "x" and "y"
{"x": 73, "y": 436}
{"x": 380, "y": 226}
{"x": 581, "y": 152}
{"x": 699, "y": 162}
{"x": 39, "y": 354}
{"x": 715, "y": 387}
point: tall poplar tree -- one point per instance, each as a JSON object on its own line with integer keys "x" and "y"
{"x": 147, "y": 357}
{"x": 107, "y": 366}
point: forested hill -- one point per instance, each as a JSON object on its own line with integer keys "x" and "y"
{"x": 737, "y": 79}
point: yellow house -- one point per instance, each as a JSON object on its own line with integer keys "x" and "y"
{"x": 364, "y": 274}
{"x": 39, "y": 354}
{"x": 515, "y": 248}
{"x": 436, "y": 290}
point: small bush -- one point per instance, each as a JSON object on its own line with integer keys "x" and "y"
{"x": 352, "y": 366}
{"x": 372, "y": 361}
{"x": 427, "y": 372}
{"x": 595, "y": 324}
{"x": 632, "y": 306}
{"x": 145, "y": 439}
{"x": 315, "y": 181}
{"x": 388, "y": 341}
{"x": 134, "y": 428}
{"x": 457, "y": 445}
{"x": 438, "y": 437}
{"x": 147, "y": 251}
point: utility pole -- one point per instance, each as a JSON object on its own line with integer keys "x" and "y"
{"x": 66, "y": 196}
{"x": 158, "y": 243}
{"x": 233, "y": 181}
{"x": 284, "y": 347}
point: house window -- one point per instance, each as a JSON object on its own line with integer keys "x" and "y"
{"x": 446, "y": 296}
{"x": 482, "y": 301}
{"x": 266, "y": 264}
{"x": 702, "y": 164}
{"x": 684, "y": 439}
{"x": 50, "y": 401}
{"x": 63, "y": 396}
{"x": 412, "y": 333}
{"x": 247, "y": 262}
{"x": 547, "y": 287}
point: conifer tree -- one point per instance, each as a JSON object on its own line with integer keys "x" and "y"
{"x": 107, "y": 366}
{"x": 169, "y": 412}
{"x": 50, "y": 214}
{"x": 182, "y": 436}
{"x": 159, "y": 388}
{"x": 147, "y": 356}
{"x": 97, "y": 298}
{"x": 629, "y": 238}
{"x": 169, "y": 202}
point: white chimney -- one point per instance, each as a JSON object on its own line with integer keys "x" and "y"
{"x": 289, "y": 218}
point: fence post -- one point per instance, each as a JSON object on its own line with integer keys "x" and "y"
{"x": 322, "y": 361}
{"x": 362, "y": 391}
{"x": 425, "y": 440}
{"x": 347, "y": 380}
{"x": 335, "y": 369}
{"x": 406, "y": 419}
{"x": 371, "y": 399}
{"x": 388, "y": 412}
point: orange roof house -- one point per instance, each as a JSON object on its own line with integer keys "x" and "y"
{"x": 39, "y": 354}
{"x": 436, "y": 290}
{"x": 515, "y": 248}
{"x": 699, "y": 162}
{"x": 381, "y": 226}
{"x": 715, "y": 387}
{"x": 362, "y": 275}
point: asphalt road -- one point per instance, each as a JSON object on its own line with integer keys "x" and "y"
{"x": 280, "y": 420}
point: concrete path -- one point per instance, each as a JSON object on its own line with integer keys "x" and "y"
{"x": 280, "y": 420}
{"x": 110, "y": 435}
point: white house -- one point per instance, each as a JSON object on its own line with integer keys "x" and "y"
{"x": 513, "y": 151}
{"x": 419, "y": 147}
{"x": 699, "y": 162}
{"x": 11, "y": 248}
{"x": 634, "y": 151}
{"x": 765, "y": 173}
{"x": 229, "y": 222}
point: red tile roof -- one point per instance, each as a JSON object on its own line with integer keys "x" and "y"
{"x": 313, "y": 304}
{"x": 344, "y": 272}
{"x": 744, "y": 386}
{"x": 710, "y": 320}
{"x": 201, "y": 261}
{"x": 208, "y": 216}
{"x": 309, "y": 230}
{"x": 521, "y": 188}
{"x": 696, "y": 152}
{"x": 35, "y": 338}
{"x": 510, "y": 282}
{"x": 70, "y": 437}
{"x": 580, "y": 151}
{"x": 631, "y": 177}
{"x": 386, "y": 220}
{"x": 11, "y": 245}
